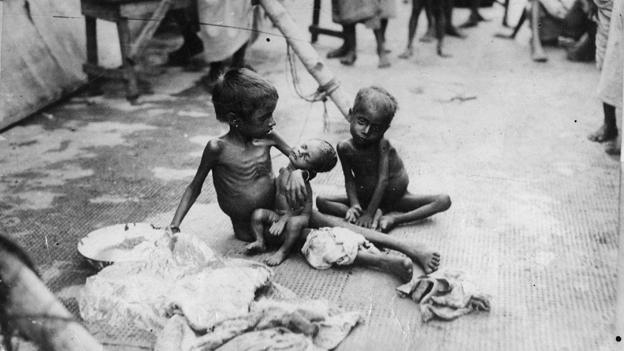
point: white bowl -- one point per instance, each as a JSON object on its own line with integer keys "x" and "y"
{"x": 117, "y": 243}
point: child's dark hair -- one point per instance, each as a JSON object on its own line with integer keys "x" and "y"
{"x": 377, "y": 99}
{"x": 328, "y": 157}
{"x": 241, "y": 91}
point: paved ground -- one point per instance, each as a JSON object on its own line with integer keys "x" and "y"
{"x": 534, "y": 213}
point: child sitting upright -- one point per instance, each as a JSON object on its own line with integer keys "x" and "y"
{"x": 375, "y": 178}
{"x": 314, "y": 156}
{"x": 240, "y": 160}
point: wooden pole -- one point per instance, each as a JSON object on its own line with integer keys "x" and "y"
{"x": 306, "y": 53}
{"x": 149, "y": 29}
{"x": 619, "y": 310}
{"x": 36, "y": 312}
{"x": 618, "y": 20}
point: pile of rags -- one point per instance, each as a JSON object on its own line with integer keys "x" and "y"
{"x": 191, "y": 299}
{"x": 445, "y": 295}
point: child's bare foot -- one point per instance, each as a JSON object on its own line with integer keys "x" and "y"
{"x": 428, "y": 260}
{"x": 384, "y": 61}
{"x": 349, "y": 58}
{"x": 386, "y": 223}
{"x": 276, "y": 258}
{"x": 604, "y": 133}
{"x": 407, "y": 53}
{"x": 400, "y": 267}
{"x": 255, "y": 247}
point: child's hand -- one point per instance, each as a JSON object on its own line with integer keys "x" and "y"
{"x": 353, "y": 213}
{"x": 365, "y": 220}
{"x": 278, "y": 227}
{"x": 295, "y": 189}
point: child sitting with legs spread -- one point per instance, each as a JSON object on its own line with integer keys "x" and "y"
{"x": 375, "y": 178}
{"x": 240, "y": 160}
{"x": 267, "y": 224}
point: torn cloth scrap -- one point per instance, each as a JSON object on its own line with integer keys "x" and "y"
{"x": 445, "y": 295}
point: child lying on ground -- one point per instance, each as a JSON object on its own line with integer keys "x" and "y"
{"x": 339, "y": 246}
{"x": 240, "y": 160}
{"x": 285, "y": 223}
{"x": 375, "y": 178}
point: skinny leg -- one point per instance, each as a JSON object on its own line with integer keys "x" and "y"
{"x": 336, "y": 205}
{"x": 343, "y": 49}
{"x": 259, "y": 219}
{"x": 428, "y": 259}
{"x": 381, "y": 50}
{"x": 437, "y": 12}
{"x": 351, "y": 43}
{"x": 412, "y": 208}
{"x": 430, "y": 33}
{"x": 292, "y": 232}
{"x": 537, "y": 51}
{"x": 401, "y": 267}
{"x": 608, "y": 130}
{"x": 417, "y": 6}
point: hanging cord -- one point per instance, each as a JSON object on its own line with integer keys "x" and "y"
{"x": 321, "y": 93}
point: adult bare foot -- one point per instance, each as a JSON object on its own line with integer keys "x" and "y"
{"x": 339, "y": 52}
{"x": 275, "y": 259}
{"x": 255, "y": 247}
{"x": 386, "y": 223}
{"x": 400, "y": 267}
{"x": 453, "y": 32}
{"x": 407, "y": 53}
{"x": 428, "y": 36}
{"x": 428, "y": 260}
{"x": 349, "y": 58}
{"x": 384, "y": 61}
{"x": 539, "y": 56}
{"x": 612, "y": 147}
{"x": 604, "y": 133}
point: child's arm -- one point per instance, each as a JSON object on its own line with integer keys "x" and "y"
{"x": 366, "y": 219}
{"x": 278, "y": 227}
{"x": 355, "y": 210}
{"x": 294, "y": 187}
{"x": 209, "y": 159}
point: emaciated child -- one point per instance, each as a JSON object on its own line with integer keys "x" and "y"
{"x": 267, "y": 224}
{"x": 375, "y": 178}
{"x": 240, "y": 160}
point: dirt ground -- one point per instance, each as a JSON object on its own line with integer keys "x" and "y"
{"x": 534, "y": 213}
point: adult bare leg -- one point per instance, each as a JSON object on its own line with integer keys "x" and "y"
{"x": 537, "y": 51}
{"x": 417, "y": 6}
{"x": 608, "y": 130}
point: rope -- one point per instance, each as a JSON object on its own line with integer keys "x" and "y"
{"x": 321, "y": 93}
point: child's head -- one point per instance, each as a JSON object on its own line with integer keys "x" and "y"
{"x": 246, "y": 101}
{"x": 371, "y": 115}
{"x": 314, "y": 155}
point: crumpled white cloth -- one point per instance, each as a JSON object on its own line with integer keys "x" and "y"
{"x": 189, "y": 280}
{"x": 445, "y": 295}
{"x": 271, "y": 324}
{"x": 327, "y": 246}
